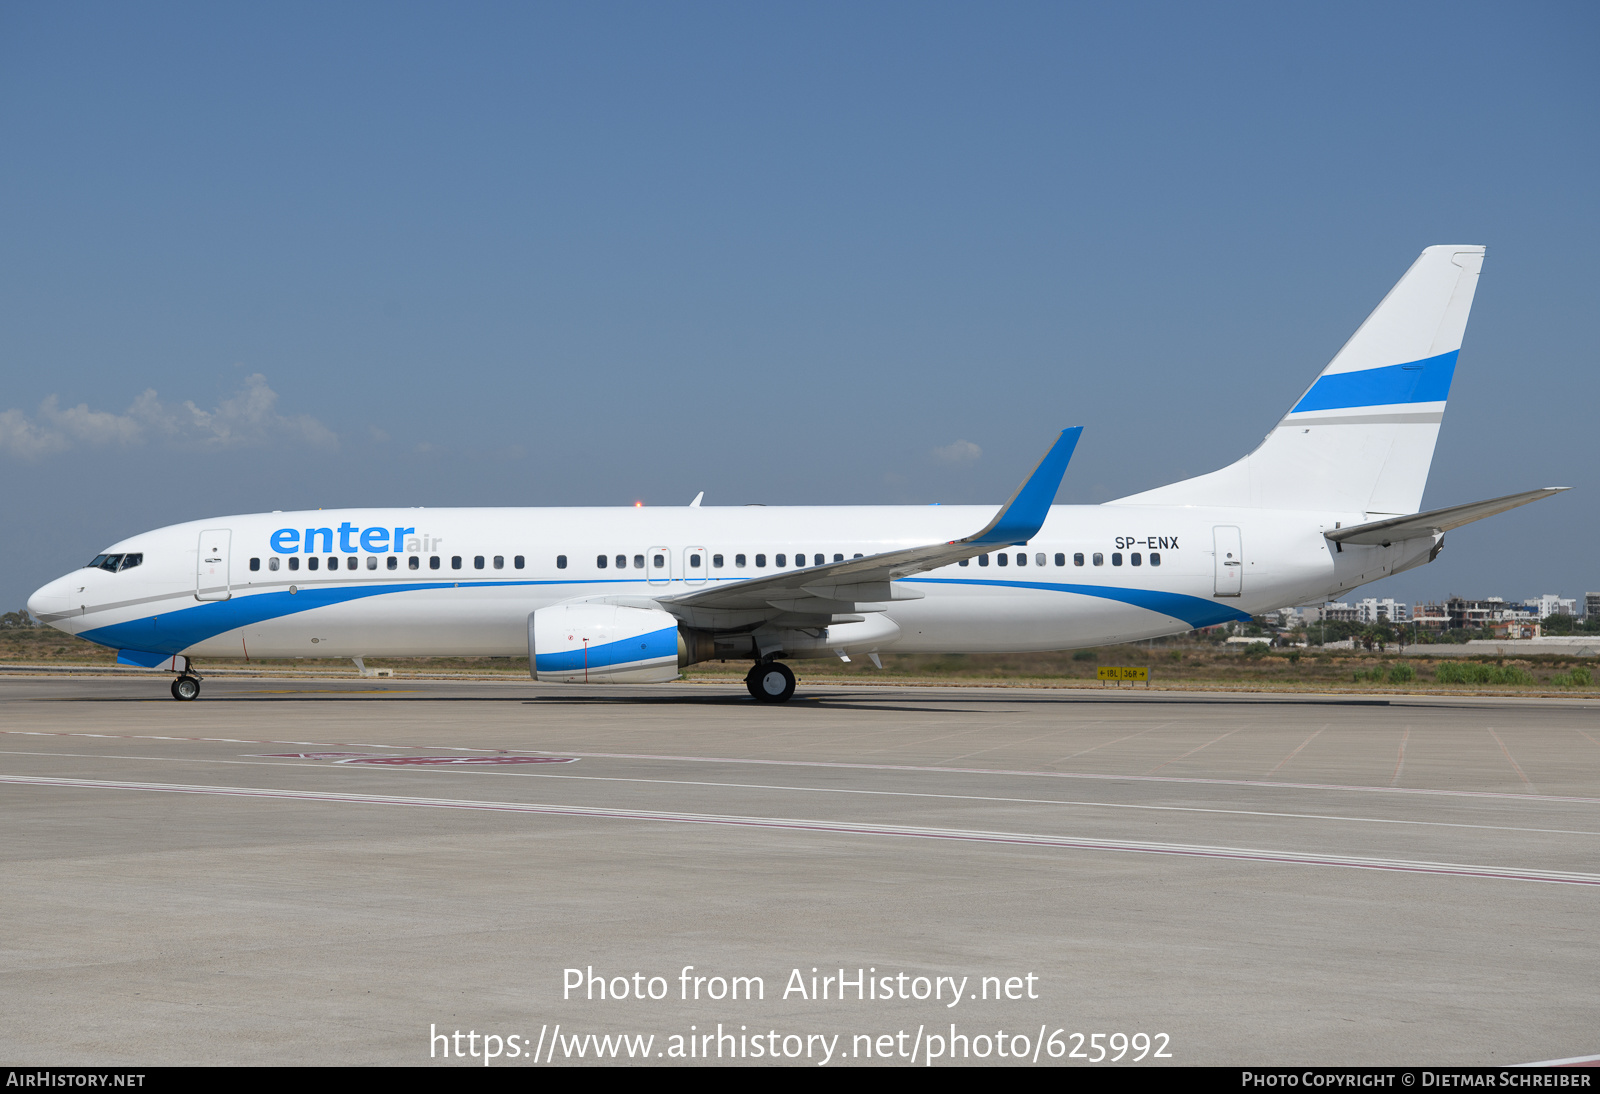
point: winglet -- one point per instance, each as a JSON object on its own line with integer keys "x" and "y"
{"x": 1023, "y": 514}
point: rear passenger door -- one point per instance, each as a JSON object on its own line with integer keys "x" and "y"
{"x": 1230, "y": 561}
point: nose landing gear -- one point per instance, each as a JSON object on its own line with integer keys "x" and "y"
{"x": 185, "y": 688}
{"x": 770, "y": 682}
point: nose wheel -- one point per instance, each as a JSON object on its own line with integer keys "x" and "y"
{"x": 770, "y": 682}
{"x": 185, "y": 688}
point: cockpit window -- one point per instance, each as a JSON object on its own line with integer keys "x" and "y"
{"x": 108, "y": 563}
{"x": 98, "y": 560}
{"x": 130, "y": 561}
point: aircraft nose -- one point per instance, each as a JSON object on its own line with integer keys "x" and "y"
{"x": 51, "y": 599}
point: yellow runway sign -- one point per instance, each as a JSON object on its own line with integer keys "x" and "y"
{"x": 1120, "y": 673}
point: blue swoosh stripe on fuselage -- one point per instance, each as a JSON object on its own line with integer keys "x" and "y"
{"x": 176, "y": 631}
{"x": 1193, "y": 610}
{"x": 1424, "y": 381}
{"x": 644, "y": 647}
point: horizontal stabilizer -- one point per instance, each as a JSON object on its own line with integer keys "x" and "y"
{"x": 1436, "y": 522}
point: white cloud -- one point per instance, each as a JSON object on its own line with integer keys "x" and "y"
{"x": 248, "y": 418}
{"x": 958, "y": 452}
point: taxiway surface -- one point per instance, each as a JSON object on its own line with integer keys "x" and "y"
{"x": 327, "y": 871}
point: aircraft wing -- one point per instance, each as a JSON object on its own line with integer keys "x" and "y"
{"x": 1437, "y": 521}
{"x": 865, "y": 583}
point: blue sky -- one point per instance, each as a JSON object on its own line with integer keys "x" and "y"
{"x": 594, "y": 253}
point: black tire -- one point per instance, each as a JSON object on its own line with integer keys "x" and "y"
{"x": 185, "y": 688}
{"x": 771, "y": 682}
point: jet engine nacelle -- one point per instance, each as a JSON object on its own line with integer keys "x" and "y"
{"x": 603, "y": 644}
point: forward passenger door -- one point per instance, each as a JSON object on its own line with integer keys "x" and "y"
{"x": 211, "y": 570}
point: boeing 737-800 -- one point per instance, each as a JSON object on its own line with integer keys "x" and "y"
{"x": 1327, "y": 502}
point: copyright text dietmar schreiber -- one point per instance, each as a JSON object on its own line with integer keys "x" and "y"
{"x": 927, "y": 1043}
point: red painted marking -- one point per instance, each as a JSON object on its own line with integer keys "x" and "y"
{"x": 470, "y": 761}
{"x": 308, "y": 755}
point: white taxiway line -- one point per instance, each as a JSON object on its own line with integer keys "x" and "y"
{"x": 843, "y": 828}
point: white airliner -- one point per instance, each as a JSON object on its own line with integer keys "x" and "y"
{"x": 1328, "y": 502}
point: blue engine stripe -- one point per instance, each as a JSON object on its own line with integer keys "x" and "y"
{"x": 644, "y": 647}
{"x": 1425, "y": 381}
{"x": 1193, "y": 610}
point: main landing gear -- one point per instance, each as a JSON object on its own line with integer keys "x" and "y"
{"x": 185, "y": 688}
{"x": 770, "y": 682}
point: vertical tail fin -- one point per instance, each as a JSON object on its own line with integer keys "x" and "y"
{"x": 1360, "y": 440}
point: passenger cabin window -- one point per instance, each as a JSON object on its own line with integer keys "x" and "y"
{"x": 818, "y": 560}
{"x": 716, "y": 561}
{"x": 415, "y": 562}
{"x": 659, "y": 561}
{"x": 372, "y": 562}
{"x": 313, "y": 562}
{"x": 294, "y": 563}
{"x": 433, "y": 562}
{"x": 1116, "y": 558}
{"x": 638, "y": 562}
{"x": 561, "y": 562}
{"x": 1077, "y": 559}
{"x": 963, "y": 562}
{"x": 1099, "y": 559}
{"x": 694, "y": 562}
{"x": 983, "y": 560}
{"x": 777, "y": 560}
{"x": 455, "y": 562}
{"x": 838, "y": 558}
{"x": 255, "y": 564}
{"x": 272, "y": 563}
{"x": 517, "y": 562}
{"x": 1155, "y": 559}
{"x": 1038, "y": 559}
{"x": 761, "y": 562}
{"x": 477, "y": 562}
{"x": 1135, "y": 559}
{"x": 622, "y": 562}
{"x": 1022, "y": 558}
{"x": 1002, "y": 559}
{"x": 600, "y": 561}
{"x": 499, "y": 562}
{"x": 738, "y": 561}
{"x": 394, "y": 562}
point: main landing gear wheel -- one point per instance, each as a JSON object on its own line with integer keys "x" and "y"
{"x": 770, "y": 682}
{"x": 185, "y": 688}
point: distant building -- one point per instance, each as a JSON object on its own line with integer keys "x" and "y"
{"x": 1591, "y": 605}
{"x": 1551, "y": 604}
{"x": 1372, "y": 611}
{"x": 1474, "y": 613}
{"x": 1432, "y": 616}
{"x": 1340, "y": 612}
